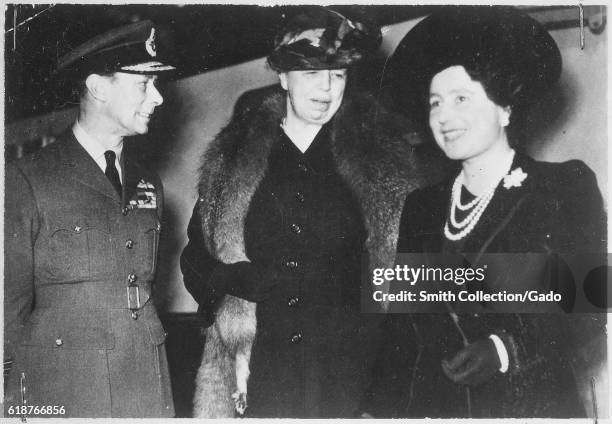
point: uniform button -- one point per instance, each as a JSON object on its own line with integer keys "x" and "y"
{"x": 299, "y": 197}
{"x": 77, "y": 229}
{"x": 134, "y": 315}
{"x": 296, "y": 338}
{"x": 129, "y": 244}
{"x": 132, "y": 278}
{"x": 59, "y": 341}
{"x": 302, "y": 167}
{"x": 125, "y": 211}
{"x": 158, "y": 226}
{"x": 293, "y": 302}
{"x": 291, "y": 264}
{"x": 296, "y": 228}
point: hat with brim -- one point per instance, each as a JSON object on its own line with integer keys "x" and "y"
{"x": 321, "y": 38}
{"x": 130, "y": 49}
{"x": 514, "y": 50}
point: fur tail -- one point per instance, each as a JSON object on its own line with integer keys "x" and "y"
{"x": 222, "y": 378}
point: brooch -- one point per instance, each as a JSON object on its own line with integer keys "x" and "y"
{"x": 514, "y": 178}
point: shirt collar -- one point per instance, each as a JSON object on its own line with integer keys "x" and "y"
{"x": 93, "y": 147}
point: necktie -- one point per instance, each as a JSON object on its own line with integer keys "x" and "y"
{"x": 111, "y": 171}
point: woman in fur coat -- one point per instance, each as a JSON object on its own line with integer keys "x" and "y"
{"x": 295, "y": 194}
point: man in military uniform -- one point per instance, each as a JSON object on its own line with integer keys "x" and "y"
{"x": 82, "y": 224}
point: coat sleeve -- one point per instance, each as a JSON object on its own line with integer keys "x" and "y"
{"x": 581, "y": 212}
{"x": 580, "y": 223}
{"x": 198, "y": 265}
{"x": 585, "y": 221}
{"x": 21, "y": 226}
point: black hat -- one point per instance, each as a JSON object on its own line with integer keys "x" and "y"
{"x": 321, "y": 38}
{"x": 514, "y": 55}
{"x": 130, "y": 49}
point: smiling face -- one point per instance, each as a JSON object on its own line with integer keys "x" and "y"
{"x": 130, "y": 102}
{"x": 313, "y": 96}
{"x": 464, "y": 121}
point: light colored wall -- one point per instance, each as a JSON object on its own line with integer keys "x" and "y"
{"x": 581, "y": 130}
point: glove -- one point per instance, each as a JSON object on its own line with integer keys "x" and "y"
{"x": 474, "y": 364}
{"x": 243, "y": 280}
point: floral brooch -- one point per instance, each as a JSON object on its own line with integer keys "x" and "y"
{"x": 514, "y": 178}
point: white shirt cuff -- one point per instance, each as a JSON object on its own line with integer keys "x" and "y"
{"x": 501, "y": 352}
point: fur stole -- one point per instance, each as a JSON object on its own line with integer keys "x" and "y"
{"x": 372, "y": 155}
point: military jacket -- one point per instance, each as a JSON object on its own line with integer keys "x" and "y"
{"x": 80, "y": 323}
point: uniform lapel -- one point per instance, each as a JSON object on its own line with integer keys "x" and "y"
{"x": 130, "y": 178}
{"x": 82, "y": 169}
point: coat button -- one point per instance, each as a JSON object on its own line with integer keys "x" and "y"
{"x": 296, "y": 228}
{"x": 299, "y": 197}
{"x": 293, "y": 302}
{"x": 302, "y": 167}
{"x": 132, "y": 278}
{"x": 291, "y": 264}
{"x": 59, "y": 341}
{"x": 296, "y": 338}
{"x": 77, "y": 229}
{"x": 134, "y": 315}
{"x": 129, "y": 244}
{"x": 158, "y": 226}
{"x": 125, "y": 211}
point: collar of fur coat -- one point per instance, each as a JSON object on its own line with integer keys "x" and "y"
{"x": 370, "y": 150}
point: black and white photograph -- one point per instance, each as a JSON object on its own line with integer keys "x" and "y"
{"x": 284, "y": 210}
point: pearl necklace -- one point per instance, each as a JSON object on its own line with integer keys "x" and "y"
{"x": 478, "y": 205}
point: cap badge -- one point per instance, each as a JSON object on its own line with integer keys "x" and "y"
{"x": 150, "y": 44}
{"x": 312, "y": 35}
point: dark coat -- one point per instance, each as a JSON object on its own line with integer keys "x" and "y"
{"x": 71, "y": 245}
{"x": 322, "y": 372}
{"x": 558, "y": 209}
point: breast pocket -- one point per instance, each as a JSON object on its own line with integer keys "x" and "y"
{"x": 79, "y": 248}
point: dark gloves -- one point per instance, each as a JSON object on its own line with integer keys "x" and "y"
{"x": 243, "y": 280}
{"x": 474, "y": 364}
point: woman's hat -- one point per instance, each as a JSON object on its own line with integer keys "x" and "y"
{"x": 322, "y": 39}
{"x": 515, "y": 52}
{"x": 130, "y": 49}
